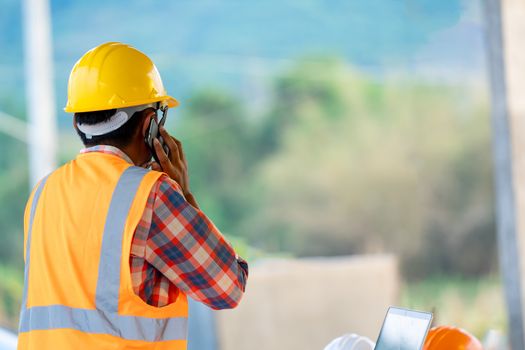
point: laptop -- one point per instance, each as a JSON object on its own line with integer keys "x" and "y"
{"x": 403, "y": 330}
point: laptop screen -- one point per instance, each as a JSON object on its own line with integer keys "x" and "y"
{"x": 403, "y": 330}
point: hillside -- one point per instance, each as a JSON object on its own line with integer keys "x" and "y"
{"x": 235, "y": 45}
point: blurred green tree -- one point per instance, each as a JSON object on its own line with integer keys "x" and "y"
{"x": 354, "y": 165}
{"x": 14, "y": 179}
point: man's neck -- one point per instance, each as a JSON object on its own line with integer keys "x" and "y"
{"x": 136, "y": 154}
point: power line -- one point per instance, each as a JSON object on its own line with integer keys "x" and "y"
{"x": 13, "y": 127}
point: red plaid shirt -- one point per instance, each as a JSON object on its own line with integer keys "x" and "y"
{"x": 177, "y": 248}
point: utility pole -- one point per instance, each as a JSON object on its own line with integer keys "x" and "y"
{"x": 40, "y": 93}
{"x": 506, "y": 53}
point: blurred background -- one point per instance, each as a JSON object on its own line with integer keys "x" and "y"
{"x": 358, "y": 131}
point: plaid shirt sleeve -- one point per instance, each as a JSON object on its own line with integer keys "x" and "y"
{"x": 187, "y": 248}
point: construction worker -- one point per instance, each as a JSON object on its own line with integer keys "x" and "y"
{"x": 112, "y": 247}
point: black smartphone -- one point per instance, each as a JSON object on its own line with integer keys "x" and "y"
{"x": 153, "y": 133}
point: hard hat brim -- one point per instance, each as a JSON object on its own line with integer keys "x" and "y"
{"x": 171, "y": 102}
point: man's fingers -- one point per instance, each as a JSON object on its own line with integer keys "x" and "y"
{"x": 172, "y": 145}
{"x": 182, "y": 156}
{"x": 163, "y": 158}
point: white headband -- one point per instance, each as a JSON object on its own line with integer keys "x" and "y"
{"x": 121, "y": 116}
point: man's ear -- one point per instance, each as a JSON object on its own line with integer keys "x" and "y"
{"x": 145, "y": 124}
{"x": 75, "y": 122}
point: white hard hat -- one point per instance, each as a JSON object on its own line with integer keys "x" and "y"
{"x": 351, "y": 342}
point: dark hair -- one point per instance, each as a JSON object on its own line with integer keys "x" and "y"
{"x": 118, "y": 138}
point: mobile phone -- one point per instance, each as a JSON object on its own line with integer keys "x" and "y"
{"x": 153, "y": 133}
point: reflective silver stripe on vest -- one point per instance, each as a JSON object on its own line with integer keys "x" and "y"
{"x": 105, "y": 319}
{"x": 110, "y": 255}
{"x": 34, "y": 203}
{"x": 98, "y": 322}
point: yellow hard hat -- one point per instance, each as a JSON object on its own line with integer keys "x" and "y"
{"x": 114, "y": 75}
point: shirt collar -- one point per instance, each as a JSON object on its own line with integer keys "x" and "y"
{"x": 107, "y": 149}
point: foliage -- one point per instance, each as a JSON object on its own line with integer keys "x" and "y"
{"x": 460, "y": 302}
{"x": 14, "y": 191}
{"x": 355, "y": 166}
{"x": 11, "y": 285}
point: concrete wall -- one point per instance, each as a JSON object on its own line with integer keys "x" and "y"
{"x": 303, "y": 304}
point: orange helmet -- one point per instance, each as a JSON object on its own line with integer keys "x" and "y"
{"x": 451, "y": 338}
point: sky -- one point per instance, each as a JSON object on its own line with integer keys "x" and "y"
{"x": 219, "y": 43}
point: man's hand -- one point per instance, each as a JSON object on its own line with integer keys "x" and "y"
{"x": 175, "y": 165}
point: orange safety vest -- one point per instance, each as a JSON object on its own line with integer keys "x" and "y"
{"x": 79, "y": 225}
